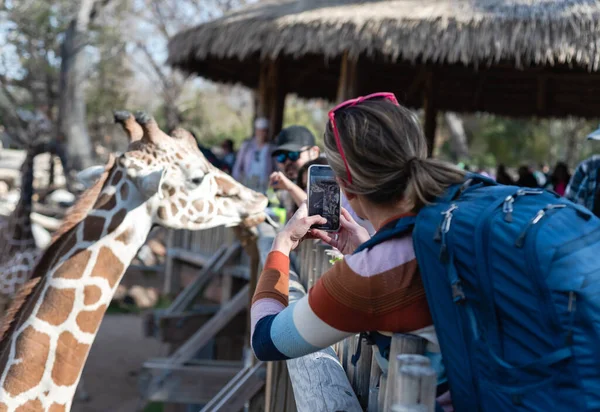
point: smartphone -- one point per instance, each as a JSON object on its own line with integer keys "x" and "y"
{"x": 324, "y": 197}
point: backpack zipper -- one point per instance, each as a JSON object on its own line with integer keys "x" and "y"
{"x": 539, "y": 215}
{"x": 444, "y": 229}
{"x": 507, "y": 206}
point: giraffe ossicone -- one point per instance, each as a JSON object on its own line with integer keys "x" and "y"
{"x": 160, "y": 179}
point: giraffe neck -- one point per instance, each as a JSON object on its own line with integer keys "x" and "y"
{"x": 48, "y": 349}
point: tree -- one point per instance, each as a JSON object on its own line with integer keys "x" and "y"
{"x": 73, "y": 71}
{"x": 45, "y": 67}
{"x": 160, "y": 20}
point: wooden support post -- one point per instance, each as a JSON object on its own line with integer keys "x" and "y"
{"x": 361, "y": 380}
{"x": 172, "y": 284}
{"x": 416, "y": 386}
{"x": 401, "y": 345}
{"x": 375, "y": 375}
{"x": 347, "y": 84}
{"x": 270, "y": 95}
{"x": 277, "y": 97}
{"x": 430, "y": 113}
{"x": 542, "y": 94}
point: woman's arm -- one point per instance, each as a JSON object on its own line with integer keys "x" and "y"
{"x": 280, "y": 331}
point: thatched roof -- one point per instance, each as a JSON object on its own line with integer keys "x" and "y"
{"x": 510, "y": 57}
{"x": 471, "y": 32}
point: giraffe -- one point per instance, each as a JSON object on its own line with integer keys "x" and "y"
{"x": 18, "y": 251}
{"x": 160, "y": 180}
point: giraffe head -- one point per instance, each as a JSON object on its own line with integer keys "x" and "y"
{"x": 179, "y": 187}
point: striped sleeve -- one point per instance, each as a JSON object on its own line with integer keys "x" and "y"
{"x": 372, "y": 290}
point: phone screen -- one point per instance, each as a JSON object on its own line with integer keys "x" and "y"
{"x": 324, "y": 196}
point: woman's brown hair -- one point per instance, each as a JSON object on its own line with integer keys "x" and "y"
{"x": 387, "y": 155}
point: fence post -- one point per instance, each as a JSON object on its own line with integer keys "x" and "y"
{"x": 402, "y": 344}
{"x": 416, "y": 385}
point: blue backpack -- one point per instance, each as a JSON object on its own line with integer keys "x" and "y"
{"x": 512, "y": 277}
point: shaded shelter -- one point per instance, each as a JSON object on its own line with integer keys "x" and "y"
{"x": 507, "y": 57}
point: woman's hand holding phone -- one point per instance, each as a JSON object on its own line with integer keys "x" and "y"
{"x": 296, "y": 230}
{"x": 348, "y": 238}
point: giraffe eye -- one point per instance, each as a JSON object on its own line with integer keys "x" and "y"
{"x": 197, "y": 181}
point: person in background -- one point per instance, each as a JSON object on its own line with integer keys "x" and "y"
{"x": 560, "y": 178}
{"x": 295, "y": 146}
{"x": 228, "y": 154}
{"x": 254, "y": 163}
{"x": 503, "y": 177}
{"x": 297, "y": 190}
{"x": 542, "y": 175}
{"x": 209, "y": 154}
{"x": 584, "y": 187}
{"x": 526, "y": 178}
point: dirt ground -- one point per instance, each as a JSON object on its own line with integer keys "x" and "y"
{"x": 110, "y": 375}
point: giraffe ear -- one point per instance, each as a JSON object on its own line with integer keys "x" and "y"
{"x": 149, "y": 183}
{"x": 89, "y": 176}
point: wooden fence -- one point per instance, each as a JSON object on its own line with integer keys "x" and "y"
{"x": 323, "y": 381}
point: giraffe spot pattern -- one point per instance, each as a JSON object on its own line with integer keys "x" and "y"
{"x": 125, "y": 236}
{"x": 70, "y": 356}
{"x": 56, "y": 305}
{"x": 116, "y": 178}
{"x": 108, "y": 266}
{"x": 162, "y": 213}
{"x": 89, "y": 320}
{"x": 33, "y": 405}
{"x": 57, "y": 407}
{"x": 92, "y": 226}
{"x": 91, "y": 294}
{"x": 106, "y": 202}
{"x": 32, "y": 348}
{"x": 116, "y": 220}
{"x": 124, "y": 192}
{"x": 226, "y": 186}
{"x": 73, "y": 268}
{"x": 174, "y": 209}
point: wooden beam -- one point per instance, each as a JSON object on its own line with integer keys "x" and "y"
{"x": 478, "y": 92}
{"x": 191, "y": 384}
{"x": 430, "y": 113}
{"x": 239, "y": 390}
{"x": 270, "y": 95}
{"x": 542, "y": 94}
{"x": 210, "y": 328}
{"x": 321, "y": 373}
{"x": 348, "y": 80}
{"x": 262, "y": 92}
{"x": 279, "y": 394}
{"x": 277, "y": 97}
{"x": 417, "y": 85}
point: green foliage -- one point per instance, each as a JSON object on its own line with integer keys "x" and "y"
{"x": 154, "y": 407}
{"x": 513, "y": 142}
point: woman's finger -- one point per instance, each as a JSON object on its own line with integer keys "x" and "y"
{"x": 315, "y": 220}
{"x": 348, "y": 216}
{"x": 324, "y": 236}
{"x": 345, "y": 222}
